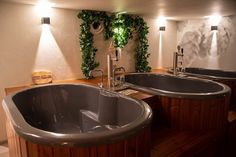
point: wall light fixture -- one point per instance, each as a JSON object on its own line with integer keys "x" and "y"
{"x": 162, "y": 28}
{"x": 214, "y": 28}
{"x": 45, "y": 20}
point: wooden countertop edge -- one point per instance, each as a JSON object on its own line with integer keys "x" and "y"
{"x": 140, "y": 95}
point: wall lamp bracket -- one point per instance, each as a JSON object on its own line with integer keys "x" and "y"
{"x": 162, "y": 28}
{"x": 214, "y": 28}
{"x": 45, "y": 20}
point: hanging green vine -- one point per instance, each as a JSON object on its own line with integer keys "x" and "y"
{"x": 121, "y": 27}
{"x": 86, "y": 38}
{"x": 141, "y": 55}
{"x": 118, "y": 27}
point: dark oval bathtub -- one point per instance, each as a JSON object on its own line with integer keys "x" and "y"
{"x": 225, "y": 77}
{"x": 211, "y": 73}
{"x": 185, "y": 103}
{"x": 173, "y": 86}
{"x": 74, "y": 115}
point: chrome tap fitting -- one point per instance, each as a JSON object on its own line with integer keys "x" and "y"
{"x": 176, "y": 61}
{"x": 113, "y": 76}
{"x": 97, "y": 70}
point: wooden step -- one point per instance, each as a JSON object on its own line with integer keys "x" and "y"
{"x": 169, "y": 143}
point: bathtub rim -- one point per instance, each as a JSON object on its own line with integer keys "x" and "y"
{"x": 226, "y": 91}
{"x": 35, "y": 135}
{"x": 211, "y": 77}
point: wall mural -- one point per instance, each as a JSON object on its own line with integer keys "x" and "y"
{"x": 201, "y": 45}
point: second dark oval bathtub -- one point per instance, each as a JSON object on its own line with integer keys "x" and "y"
{"x": 185, "y": 103}
{"x": 173, "y": 86}
{"x": 222, "y": 76}
{"x": 213, "y": 74}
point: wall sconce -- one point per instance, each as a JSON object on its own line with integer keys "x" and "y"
{"x": 45, "y": 20}
{"x": 162, "y": 28}
{"x": 214, "y": 28}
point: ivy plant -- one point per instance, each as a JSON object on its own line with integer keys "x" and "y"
{"x": 86, "y": 38}
{"x": 141, "y": 55}
{"x": 118, "y": 27}
{"x": 121, "y": 27}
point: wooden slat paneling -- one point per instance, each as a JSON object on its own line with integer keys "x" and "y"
{"x": 23, "y": 146}
{"x": 32, "y": 150}
{"x": 116, "y": 149}
{"x": 80, "y": 152}
{"x": 130, "y": 147}
{"x": 102, "y": 151}
{"x": 61, "y": 152}
{"x": 45, "y": 151}
{"x": 232, "y": 85}
{"x": 136, "y": 146}
{"x": 194, "y": 114}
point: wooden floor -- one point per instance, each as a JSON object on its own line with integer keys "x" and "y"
{"x": 169, "y": 143}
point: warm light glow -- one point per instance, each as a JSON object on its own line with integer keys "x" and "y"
{"x": 44, "y": 8}
{"x": 213, "y": 60}
{"x": 214, "y": 20}
{"x": 161, "y": 21}
{"x": 159, "y": 63}
{"x": 49, "y": 55}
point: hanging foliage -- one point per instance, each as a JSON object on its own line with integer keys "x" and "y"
{"x": 86, "y": 38}
{"x": 118, "y": 27}
{"x": 121, "y": 27}
{"x": 141, "y": 55}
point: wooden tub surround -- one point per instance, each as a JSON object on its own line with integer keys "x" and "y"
{"x": 135, "y": 146}
{"x": 181, "y": 127}
{"x": 177, "y": 133}
{"x": 190, "y": 115}
{"x": 228, "y": 78}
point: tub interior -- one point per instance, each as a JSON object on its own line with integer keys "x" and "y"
{"x": 173, "y": 84}
{"x": 73, "y": 109}
{"x": 211, "y": 72}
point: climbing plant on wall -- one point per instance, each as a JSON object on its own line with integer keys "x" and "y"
{"x": 121, "y": 27}
{"x": 118, "y": 27}
{"x": 86, "y": 38}
{"x": 141, "y": 55}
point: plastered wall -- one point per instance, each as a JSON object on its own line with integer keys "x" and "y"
{"x": 26, "y": 46}
{"x": 162, "y": 44}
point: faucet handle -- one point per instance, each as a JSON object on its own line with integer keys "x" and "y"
{"x": 121, "y": 81}
{"x": 178, "y": 48}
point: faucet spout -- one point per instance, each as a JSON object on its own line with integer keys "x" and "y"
{"x": 176, "y": 61}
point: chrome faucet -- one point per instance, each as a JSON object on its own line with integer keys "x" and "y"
{"x": 114, "y": 74}
{"x": 97, "y": 70}
{"x": 110, "y": 68}
{"x": 176, "y": 61}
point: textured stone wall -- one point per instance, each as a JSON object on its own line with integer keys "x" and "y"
{"x": 206, "y": 48}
